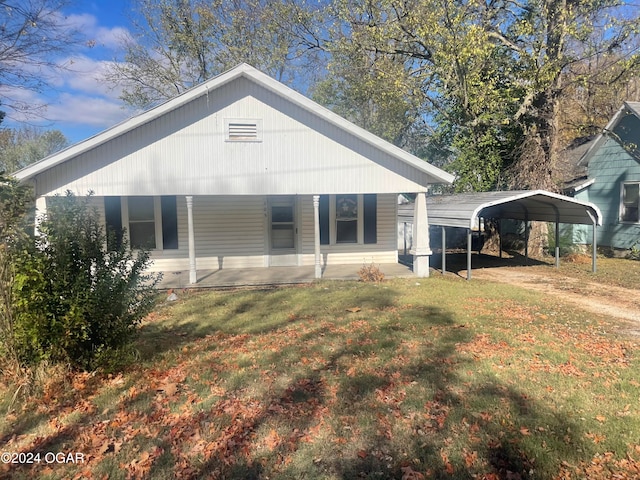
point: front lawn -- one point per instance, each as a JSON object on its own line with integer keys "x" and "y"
{"x": 409, "y": 379}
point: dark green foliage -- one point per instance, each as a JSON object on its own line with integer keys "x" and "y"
{"x": 15, "y": 204}
{"x": 76, "y": 302}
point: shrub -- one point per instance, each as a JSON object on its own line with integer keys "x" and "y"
{"x": 75, "y": 301}
{"x": 370, "y": 273}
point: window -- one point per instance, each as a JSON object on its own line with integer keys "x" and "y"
{"x": 630, "y": 205}
{"x": 244, "y": 130}
{"x": 152, "y": 222}
{"x": 346, "y": 219}
{"x": 142, "y": 223}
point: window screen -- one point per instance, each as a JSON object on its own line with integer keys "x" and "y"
{"x": 142, "y": 225}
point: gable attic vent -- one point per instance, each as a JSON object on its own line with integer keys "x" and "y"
{"x": 246, "y": 130}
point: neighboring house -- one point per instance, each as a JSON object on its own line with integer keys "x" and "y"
{"x": 242, "y": 171}
{"x": 613, "y": 179}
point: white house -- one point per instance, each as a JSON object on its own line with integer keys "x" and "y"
{"x": 242, "y": 171}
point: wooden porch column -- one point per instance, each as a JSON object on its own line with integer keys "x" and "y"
{"x": 421, "y": 249}
{"x": 316, "y": 235}
{"x": 192, "y": 241}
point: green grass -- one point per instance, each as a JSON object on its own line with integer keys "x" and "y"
{"x": 436, "y": 378}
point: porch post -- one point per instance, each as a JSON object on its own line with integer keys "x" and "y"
{"x": 41, "y": 211}
{"x": 420, "y": 248}
{"x": 192, "y": 241}
{"x": 316, "y": 235}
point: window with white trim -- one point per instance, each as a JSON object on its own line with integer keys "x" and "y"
{"x": 630, "y": 202}
{"x": 142, "y": 222}
{"x": 348, "y": 218}
{"x": 151, "y": 222}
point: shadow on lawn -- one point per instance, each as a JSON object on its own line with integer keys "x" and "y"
{"x": 254, "y": 311}
{"x": 391, "y": 395}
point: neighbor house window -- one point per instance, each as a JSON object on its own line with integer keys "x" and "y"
{"x": 630, "y": 205}
{"x": 142, "y": 222}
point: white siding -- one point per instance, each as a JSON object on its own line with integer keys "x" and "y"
{"x": 229, "y": 233}
{"x": 184, "y": 152}
{"x": 384, "y": 251}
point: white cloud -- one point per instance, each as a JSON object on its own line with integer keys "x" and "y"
{"x": 73, "y": 109}
{"x": 79, "y": 99}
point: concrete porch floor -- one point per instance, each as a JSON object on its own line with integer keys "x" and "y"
{"x": 273, "y": 275}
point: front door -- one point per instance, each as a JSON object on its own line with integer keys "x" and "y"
{"x": 283, "y": 231}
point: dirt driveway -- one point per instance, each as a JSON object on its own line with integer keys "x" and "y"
{"x": 614, "y": 301}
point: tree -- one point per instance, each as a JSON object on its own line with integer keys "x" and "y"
{"x": 181, "y": 43}
{"x": 493, "y": 72}
{"x": 25, "y": 145}
{"x": 33, "y": 36}
{"x": 373, "y": 91}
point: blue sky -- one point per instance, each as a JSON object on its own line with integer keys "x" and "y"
{"x": 78, "y": 103}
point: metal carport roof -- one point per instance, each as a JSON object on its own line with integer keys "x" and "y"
{"x": 464, "y": 210}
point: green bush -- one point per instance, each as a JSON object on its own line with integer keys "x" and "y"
{"x": 75, "y": 301}
{"x": 16, "y": 205}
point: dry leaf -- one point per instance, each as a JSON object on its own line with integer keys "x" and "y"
{"x": 409, "y": 473}
{"x": 169, "y": 388}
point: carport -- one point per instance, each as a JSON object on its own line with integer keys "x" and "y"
{"x": 465, "y": 210}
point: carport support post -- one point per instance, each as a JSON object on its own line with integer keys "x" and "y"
{"x": 594, "y": 243}
{"x": 420, "y": 248}
{"x": 557, "y": 243}
{"x": 444, "y": 251}
{"x": 316, "y": 236}
{"x": 193, "y": 278}
{"x": 469, "y": 241}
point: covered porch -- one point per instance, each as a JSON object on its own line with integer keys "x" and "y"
{"x": 224, "y": 278}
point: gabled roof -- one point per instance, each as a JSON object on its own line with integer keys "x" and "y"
{"x": 627, "y": 107}
{"x": 538, "y": 205}
{"x": 250, "y": 73}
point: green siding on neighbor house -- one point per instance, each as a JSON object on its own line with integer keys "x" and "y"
{"x": 611, "y": 165}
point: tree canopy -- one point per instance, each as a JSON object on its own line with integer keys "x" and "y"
{"x": 493, "y": 74}
{"x": 34, "y": 35}
{"x": 22, "y": 146}
{"x": 177, "y": 44}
